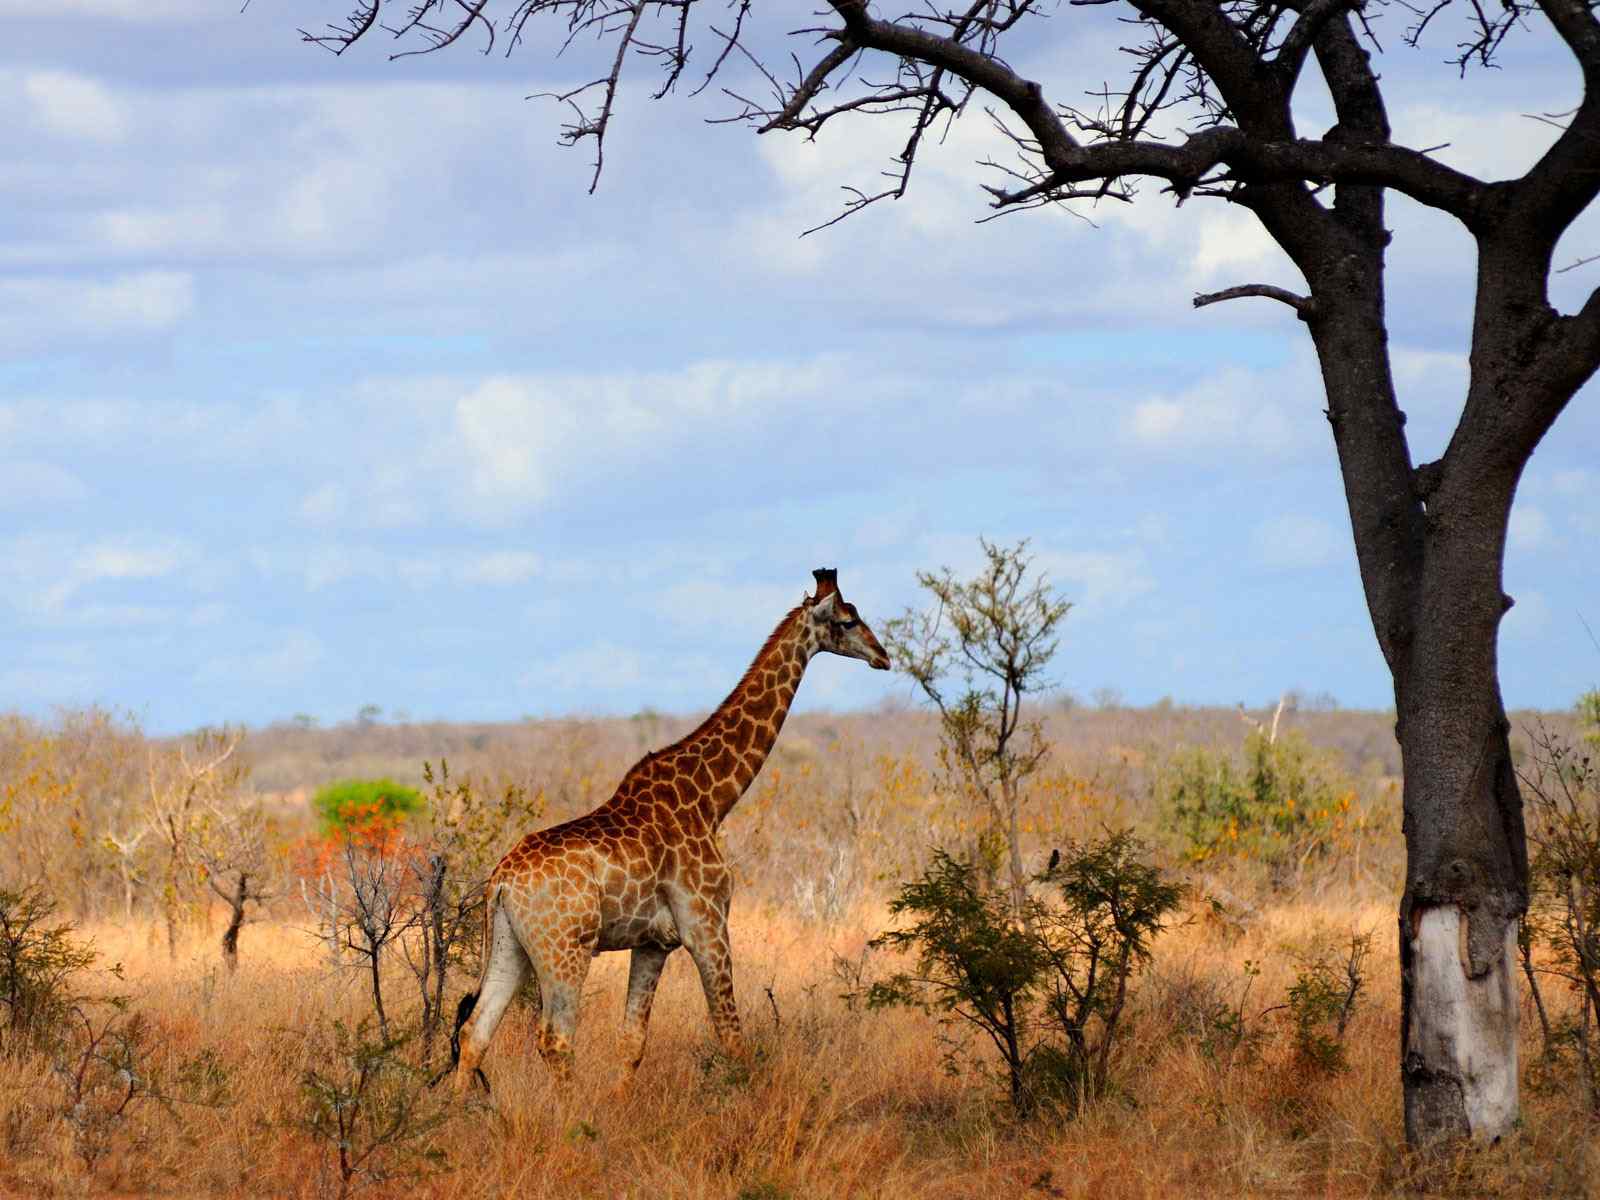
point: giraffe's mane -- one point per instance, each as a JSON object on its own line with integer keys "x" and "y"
{"x": 772, "y": 640}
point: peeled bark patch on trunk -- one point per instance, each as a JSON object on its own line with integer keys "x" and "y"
{"x": 1461, "y": 1045}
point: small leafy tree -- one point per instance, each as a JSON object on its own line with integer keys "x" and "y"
{"x": 974, "y": 963}
{"x": 369, "y": 1108}
{"x": 975, "y": 654}
{"x": 353, "y": 803}
{"x": 188, "y": 784}
{"x": 239, "y": 867}
{"x": 1322, "y": 1000}
{"x": 467, "y": 824}
{"x": 1096, "y": 937}
{"x": 1048, "y": 992}
{"x": 38, "y": 957}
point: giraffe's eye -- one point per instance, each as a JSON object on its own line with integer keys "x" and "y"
{"x": 850, "y": 624}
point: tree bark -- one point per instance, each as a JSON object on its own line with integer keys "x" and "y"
{"x": 1467, "y": 862}
{"x": 1430, "y": 543}
{"x": 230, "y": 935}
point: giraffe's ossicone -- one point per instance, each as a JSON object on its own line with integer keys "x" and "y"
{"x": 644, "y": 871}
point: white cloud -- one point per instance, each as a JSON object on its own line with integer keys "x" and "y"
{"x": 501, "y": 567}
{"x": 329, "y": 564}
{"x": 524, "y": 439}
{"x": 1096, "y": 580}
{"x": 1529, "y": 616}
{"x": 124, "y": 560}
{"x": 1576, "y": 483}
{"x": 36, "y": 486}
{"x": 133, "y": 11}
{"x": 1233, "y": 242}
{"x": 323, "y": 504}
{"x": 1530, "y": 529}
{"x": 36, "y": 310}
{"x": 1437, "y": 370}
{"x": 75, "y": 106}
{"x": 1268, "y": 412}
{"x": 603, "y": 667}
{"x": 883, "y": 530}
{"x": 42, "y": 575}
{"x": 290, "y": 659}
{"x": 1490, "y": 145}
{"x": 716, "y": 608}
{"x": 1294, "y": 541}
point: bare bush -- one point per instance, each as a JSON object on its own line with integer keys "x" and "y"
{"x": 1563, "y": 789}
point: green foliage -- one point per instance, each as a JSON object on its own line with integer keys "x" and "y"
{"x": 1096, "y": 937}
{"x": 1321, "y": 1001}
{"x": 1048, "y": 990}
{"x": 1224, "y": 1027}
{"x": 355, "y": 804}
{"x": 369, "y": 1108}
{"x": 973, "y": 963}
{"x": 38, "y": 957}
{"x": 1589, "y": 716}
{"x": 1285, "y": 803}
{"x": 468, "y": 824}
{"x": 982, "y": 646}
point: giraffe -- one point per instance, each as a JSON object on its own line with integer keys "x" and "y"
{"x": 644, "y": 872}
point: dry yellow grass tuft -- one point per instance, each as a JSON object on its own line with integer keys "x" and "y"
{"x": 839, "y": 1102}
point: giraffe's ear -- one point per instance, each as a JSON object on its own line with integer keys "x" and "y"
{"x": 823, "y": 608}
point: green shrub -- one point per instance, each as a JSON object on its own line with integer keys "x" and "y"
{"x": 1096, "y": 936}
{"x": 38, "y": 957}
{"x": 1285, "y": 802}
{"x": 1589, "y": 716}
{"x": 1048, "y": 989}
{"x": 973, "y": 964}
{"x": 354, "y": 804}
{"x": 1322, "y": 1000}
{"x": 370, "y": 1110}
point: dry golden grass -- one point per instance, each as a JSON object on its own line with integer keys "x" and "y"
{"x": 838, "y": 1102}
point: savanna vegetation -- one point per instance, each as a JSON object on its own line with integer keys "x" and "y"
{"x": 1199, "y": 998}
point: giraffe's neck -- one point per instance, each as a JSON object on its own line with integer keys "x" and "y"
{"x": 734, "y": 741}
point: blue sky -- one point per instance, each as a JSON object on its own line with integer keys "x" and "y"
{"x": 325, "y": 383}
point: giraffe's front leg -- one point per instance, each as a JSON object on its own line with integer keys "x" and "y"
{"x": 703, "y": 926}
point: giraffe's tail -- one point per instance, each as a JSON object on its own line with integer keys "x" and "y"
{"x": 463, "y": 1013}
{"x": 469, "y": 1001}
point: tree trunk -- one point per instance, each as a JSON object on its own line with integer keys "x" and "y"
{"x": 377, "y": 991}
{"x": 230, "y": 935}
{"x": 169, "y": 916}
{"x": 1467, "y": 859}
{"x": 1430, "y": 541}
{"x": 1019, "y": 881}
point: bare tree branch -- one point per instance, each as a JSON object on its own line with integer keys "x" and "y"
{"x": 1304, "y": 305}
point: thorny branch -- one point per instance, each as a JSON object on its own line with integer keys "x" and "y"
{"x": 1221, "y": 73}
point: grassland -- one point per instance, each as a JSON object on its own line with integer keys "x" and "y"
{"x": 1209, "y": 1096}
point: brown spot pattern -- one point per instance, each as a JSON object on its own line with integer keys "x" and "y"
{"x": 643, "y": 872}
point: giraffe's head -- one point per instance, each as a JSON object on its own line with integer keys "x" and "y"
{"x": 836, "y": 625}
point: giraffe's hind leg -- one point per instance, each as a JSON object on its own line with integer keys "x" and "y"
{"x": 644, "y": 972}
{"x": 561, "y": 975}
{"x": 502, "y": 976}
